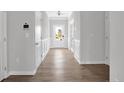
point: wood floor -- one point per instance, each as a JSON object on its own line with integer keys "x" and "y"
{"x": 60, "y": 66}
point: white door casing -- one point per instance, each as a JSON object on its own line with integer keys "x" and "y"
{"x": 57, "y": 43}
{"x": 3, "y": 46}
{"x": 1, "y": 72}
{"x": 107, "y": 38}
{"x": 38, "y": 29}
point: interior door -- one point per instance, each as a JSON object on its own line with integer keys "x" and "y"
{"x": 59, "y": 36}
{"x": 3, "y": 46}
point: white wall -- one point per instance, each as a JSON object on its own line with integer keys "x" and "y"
{"x": 21, "y": 43}
{"x": 116, "y": 46}
{"x": 45, "y": 35}
{"x": 74, "y": 34}
{"x": 26, "y": 48}
{"x": 92, "y": 37}
{"x": 76, "y": 17}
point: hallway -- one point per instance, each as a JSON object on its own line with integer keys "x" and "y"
{"x": 60, "y": 66}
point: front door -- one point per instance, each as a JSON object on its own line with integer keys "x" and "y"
{"x": 59, "y": 36}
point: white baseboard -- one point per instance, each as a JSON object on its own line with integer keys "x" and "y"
{"x": 22, "y": 72}
{"x": 107, "y": 62}
{"x": 45, "y": 55}
{"x": 27, "y": 72}
{"x": 114, "y": 80}
{"x": 77, "y": 58}
{"x": 1, "y": 78}
{"x": 4, "y": 76}
{"x": 72, "y": 50}
{"x": 92, "y": 62}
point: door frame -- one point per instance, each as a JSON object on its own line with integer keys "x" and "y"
{"x": 107, "y": 38}
{"x": 4, "y": 67}
{"x": 59, "y": 22}
{"x": 53, "y": 36}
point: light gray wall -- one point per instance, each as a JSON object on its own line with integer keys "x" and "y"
{"x": 76, "y": 17}
{"x": 77, "y": 25}
{"x": 45, "y": 35}
{"x": 92, "y": 39}
{"x": 1, "y": 46}
{"x": 21, "y": 49}
{"x": 74, "y": 34}
{"x": 45, "y": 26}
{"x": 116, "y": 46}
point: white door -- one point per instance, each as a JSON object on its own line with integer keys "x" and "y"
{"x": 59, "y": 37}
{"x": 3, "y": 46}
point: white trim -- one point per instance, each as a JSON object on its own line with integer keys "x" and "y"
{"x": 44, "y": 55}
{"x": 4, "y": 76}
{"x": 3, "y": 41}
{"x": 72, "y": 50}
{"x": 22, "y": 72}
{"x": 19, "y": 73}
{"x": 77, "y": 58}
{"x": 92, "y": 62}
{"x": 114, "y": 80}
{"x": 76, "y": 50}
{"x": 107, "y": 62}
{"x": 1, "y": 78}
{"x": 45, "y": 47}
{"x": 7, "y": 75}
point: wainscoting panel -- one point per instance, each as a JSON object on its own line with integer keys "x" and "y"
{"x": 45, "y": 47}
{"x": 77, "y": 50}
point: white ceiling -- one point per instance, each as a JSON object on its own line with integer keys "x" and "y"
{"x": 54, "y": 14}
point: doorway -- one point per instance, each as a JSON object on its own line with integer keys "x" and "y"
{"x": 59, "y": 34}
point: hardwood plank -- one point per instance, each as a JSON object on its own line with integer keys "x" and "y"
{"x": 60, "y": 66}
